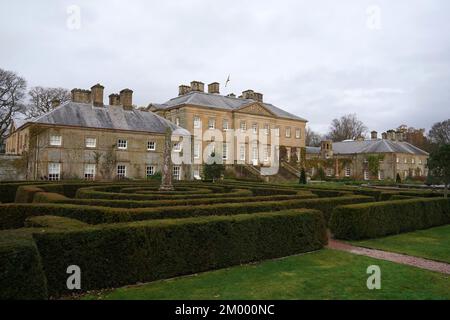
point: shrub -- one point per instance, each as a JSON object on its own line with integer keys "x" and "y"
{"x": 59, "y": 223}
{"x": 56, "y": 198}
{"x": 21, "y": 273}
{"x": 116, "y": 255}
{"x": 371, "y": 220}
{"x": 25, "y": 194}
{"x": 14, "y": 215}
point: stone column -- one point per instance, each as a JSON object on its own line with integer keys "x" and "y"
{"x": 166, "y": 180}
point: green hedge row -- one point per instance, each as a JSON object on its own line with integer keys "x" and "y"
{"x": 121, "y": 254}
{"x": 43, "y": 197}
{"x": 372, "y": 220}
{"x": 14, "y": 215}
{"x": 94, "y": 193}
{"x": 21, "y": 273}
{"x": 54, "y": 222}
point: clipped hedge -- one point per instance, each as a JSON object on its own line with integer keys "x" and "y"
{"x": 372, "y": 220}
{"x": 57, "y": 198}
{"x": 121, "y": 254}
{"x": 14, "y": 215}
{"x": 58, "y": 223}
{"x": 21, "y": 273}
{"x": 105, "y": 193}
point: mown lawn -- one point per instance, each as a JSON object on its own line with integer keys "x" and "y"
{"x": 325, "y": 274}
{"x": 431, "y": 243}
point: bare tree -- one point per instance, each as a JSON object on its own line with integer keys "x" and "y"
{"x": 12, "y": 93}
{"x": 347, "y": 127}
{"x": 41, "y": 100}
{"x": 312, "y": 139}
{"x": 440, "y": 133}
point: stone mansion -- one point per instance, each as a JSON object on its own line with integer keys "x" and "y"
{"x": 88, "y": 139}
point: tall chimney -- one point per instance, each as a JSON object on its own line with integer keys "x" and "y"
{"x": 114, "y": 99}
{"x": 126, "y": 99}
{"x": 86, "y": 96}
{"x": 391, "y": 135}
{"x": 248, "y": 94}
{"x": 214, "y": 88}
{"x": 384, "y": 135}
{"x": 76, "y": 95}
{"x": 97, "y": 95}
{"x": 183, "y": 89}
{"x": 374, "y": 135}
{"x": 197, "y": 86}
{"x": 258, "y": 96}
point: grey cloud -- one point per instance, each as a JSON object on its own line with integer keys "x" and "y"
{"x": 315, "y": 59}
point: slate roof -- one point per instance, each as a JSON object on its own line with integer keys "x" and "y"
{"x": 107, "y": 117}
{"x": 222, "y": 102}
{"x": 372, "y": 146}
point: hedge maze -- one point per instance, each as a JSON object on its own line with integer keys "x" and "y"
{"x": 126, "y": 233}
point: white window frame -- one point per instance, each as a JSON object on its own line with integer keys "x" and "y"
{"x": 177, "y": 121}
{"x": 242, "y": 152}
{"x": 348, "y": 171}
{"x": 298, "y": 133}
{"x": 151, "y": 145}
{"x": 55, "y": 140}
{"x": 225, "y": 125}
{"x": 122, "y": 144}
{"x": 90, "y": 170}
{"x": 54, "y": 171}
{"x": 288, "y": 132}
{"x": 197, "y": 122}
{"x": 176, "y": 171}
{"x": 149, "y": 171}
{"x": 91, "y": 142}
{"x": 243, "y": 126}
{"x": 121, "y": 171}
{"x": 267, "y": 129}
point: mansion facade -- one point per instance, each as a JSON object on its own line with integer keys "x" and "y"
{"x": 88, "y": 139}
{"x": 373, "y": 159}
{"x": 242, "y": 130}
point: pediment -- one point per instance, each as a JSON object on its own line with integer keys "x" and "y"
{"x": 255, "y": 108}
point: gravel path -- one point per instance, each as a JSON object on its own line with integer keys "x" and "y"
{"x": 391, "y": 256}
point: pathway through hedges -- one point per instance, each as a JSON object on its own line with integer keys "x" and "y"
{"x": 390, "y": 256}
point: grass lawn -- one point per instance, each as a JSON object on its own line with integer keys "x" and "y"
{"x": 325, "y": 274}
{"x": 432, "y": 243}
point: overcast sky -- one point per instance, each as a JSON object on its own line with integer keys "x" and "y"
{"x": 386, "y": 61}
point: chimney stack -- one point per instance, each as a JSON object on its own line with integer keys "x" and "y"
{"x": 183, "y": 89}
{"x": 114, "y": 99}
{"x": 214, "y": 88}
{"x": 391, "y": 135}
{"x": 76, "y": 95}
{"x": 97, "y": 95}
{"x": 126, "y": 99}
{"x": 197, "y": 86}
{"x": 248, "y": 94}
{"x": 374, "y": 135}
{"x": 258, "y": 96}
{"x": 384, "y": 135}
